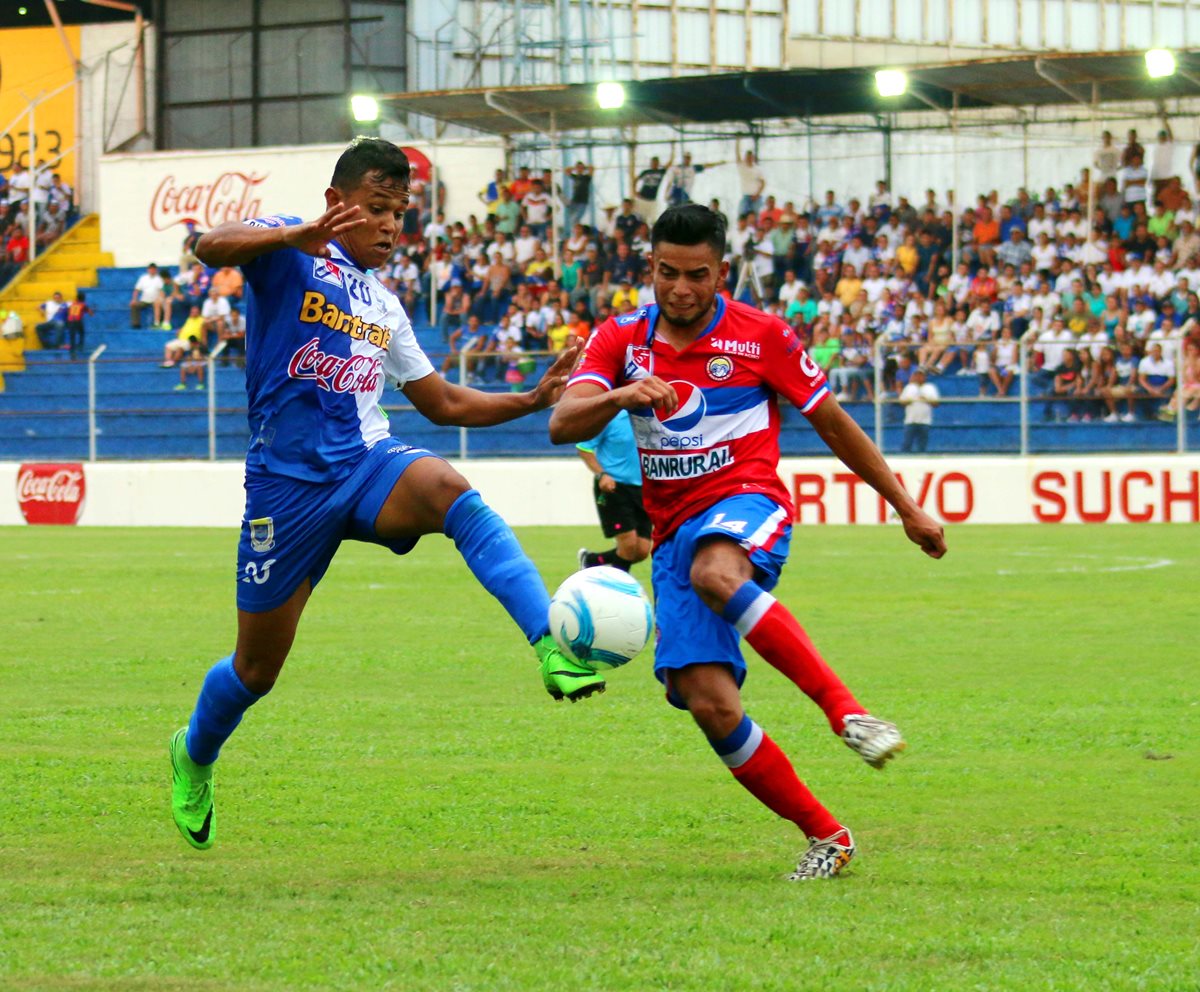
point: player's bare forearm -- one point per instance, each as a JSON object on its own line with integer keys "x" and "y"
{"x": 236, "y": 243}
{"x": 461, "y": 406}
{"x": 859, "y": 454}
{"x": 587, "y": 407}
{"x": 582, "y": 414}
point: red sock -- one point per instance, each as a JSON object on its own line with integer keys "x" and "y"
{"x": 771, "y": 779}
{"x": 775, "y": 634}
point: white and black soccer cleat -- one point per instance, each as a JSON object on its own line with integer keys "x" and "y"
{"x": 876, "y": 741}
{"x": 825, "y": 857}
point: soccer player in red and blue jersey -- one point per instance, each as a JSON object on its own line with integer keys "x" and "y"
{"x": 700, "y": 377}
{"x": 323, "y": 334}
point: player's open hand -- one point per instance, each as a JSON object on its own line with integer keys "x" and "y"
{"x": 554, "y": 379}
{"x": 313, "y": 237}
{"x": 652, "y": 391}
{"x": 925, "y": 532}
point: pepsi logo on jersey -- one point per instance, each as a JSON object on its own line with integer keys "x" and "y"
{"x": 315, "y": 309}
{"x": 691, "y": 409}
{"x": 336, "y": 373}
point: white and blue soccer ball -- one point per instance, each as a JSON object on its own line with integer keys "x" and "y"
{"x": 600, "y": 617}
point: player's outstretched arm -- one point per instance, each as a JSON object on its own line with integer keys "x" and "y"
{"x": 859, "y": 454}
{"x": 236, "y": 243}
{"x": 448, "y": 404}
{"x": 586, "y": 407}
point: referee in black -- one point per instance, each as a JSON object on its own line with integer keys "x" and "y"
{"x": 612, "y": 457}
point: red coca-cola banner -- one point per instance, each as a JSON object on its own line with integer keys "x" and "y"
{"x": 230, "y": 196}
{"x": 51, "y": 493}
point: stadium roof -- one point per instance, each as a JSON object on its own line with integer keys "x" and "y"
{"x": 1026, "y": 81}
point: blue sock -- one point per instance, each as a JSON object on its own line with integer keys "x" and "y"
{"x": 492, "y": 553}
{"x": 223, "y": 700}
{"x": 739, "y": 747}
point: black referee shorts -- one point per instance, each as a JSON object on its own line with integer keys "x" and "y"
{"x": 621, "y": 510}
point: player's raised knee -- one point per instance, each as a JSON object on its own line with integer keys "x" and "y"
{"x": 713, "y": 581}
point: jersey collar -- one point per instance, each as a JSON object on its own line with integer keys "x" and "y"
{"x": 652, "y": 321}
{"x": 339, "y": 254}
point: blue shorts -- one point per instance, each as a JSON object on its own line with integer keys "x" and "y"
{"x": 688, "y": 631}
{"x": 292, "y": 528}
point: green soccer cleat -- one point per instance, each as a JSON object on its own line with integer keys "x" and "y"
{"x": 562, "y": 677}
{"x": 192, "y": 795}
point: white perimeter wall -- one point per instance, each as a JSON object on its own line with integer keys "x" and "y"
{"x": 146, "y": 197}
{"x": 1103, "y": 489}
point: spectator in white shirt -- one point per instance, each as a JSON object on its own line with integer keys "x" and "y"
{"x": 147, "y": 292}
{"x": 215, "y": 315}
{"x": 918, "y": 398}
{"x": 1133, "y": 180}
{"x": 536, "y": 206}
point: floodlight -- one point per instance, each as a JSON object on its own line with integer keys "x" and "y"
{"x": 1160, "y": 62}
{"x": 364, "y": 108}
{"x": 891, "y": 82}
{"x": 610, "y": 96}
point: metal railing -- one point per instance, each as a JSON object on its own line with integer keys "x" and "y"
{"x": 1029, "y": 392}
{"x": 107, "y": 407}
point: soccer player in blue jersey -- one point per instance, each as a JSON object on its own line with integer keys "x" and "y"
{"x": 323, "y": 334}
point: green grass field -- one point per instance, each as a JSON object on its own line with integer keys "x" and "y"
{"x": 409, "y": 810}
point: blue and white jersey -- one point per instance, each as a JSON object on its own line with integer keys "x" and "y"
{"x": 322, "y": 335}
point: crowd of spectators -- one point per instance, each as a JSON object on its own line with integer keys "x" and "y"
{"x": 1099, "y": 275}
{"x": 54, "y": 211}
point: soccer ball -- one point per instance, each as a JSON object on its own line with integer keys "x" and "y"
{"x": 600, "y": 617}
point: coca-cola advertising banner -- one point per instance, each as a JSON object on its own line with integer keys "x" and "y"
{"x": 147, "y": 200}
{"x": 50, "y": 493}
{"x": 1097, "y": 489}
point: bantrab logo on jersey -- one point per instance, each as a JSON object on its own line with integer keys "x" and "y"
{"x": 691, "y": 410}
{"x": 328, "y": 271}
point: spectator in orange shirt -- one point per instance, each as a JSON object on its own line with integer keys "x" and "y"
{"x": 771, "y": 211}
{"x": 228, "y": 282}
{"x": 986, "y": 235}
{"x": 521, "y": 185}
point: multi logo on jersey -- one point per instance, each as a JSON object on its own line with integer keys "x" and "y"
{"x": 742, "y": 349}
{"x": 315, "y": 309}
{"x": 328, "y": 271}
{"x": 336, "y": 373}
{"x": 639, "y": 363}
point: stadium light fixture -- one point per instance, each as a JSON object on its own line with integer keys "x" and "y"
{"x": 364, "y": 108}
{"x": 1159, "y": 63}
{"x": 891, "y": 82}
{"x": 610, "y": 96}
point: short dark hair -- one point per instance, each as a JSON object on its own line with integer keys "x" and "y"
{"x": 690, "y": 224}
{"x": 366, "y": 155}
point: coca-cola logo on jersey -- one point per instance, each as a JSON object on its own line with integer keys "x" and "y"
{"x": 50, "y": 493}
{"x": 230, "y": 196}
{"x": 339, "y": 374}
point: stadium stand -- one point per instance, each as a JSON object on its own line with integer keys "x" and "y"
{"x": 876, "y": 276}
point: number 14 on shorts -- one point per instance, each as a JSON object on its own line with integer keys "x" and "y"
{"x": 733, "y": 526}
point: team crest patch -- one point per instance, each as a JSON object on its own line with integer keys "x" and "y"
{"x": 262, "y": 534}
{"x": 327, "y": 271}
{"x": 719, "y": 368}
{"x": 639, "y": 363}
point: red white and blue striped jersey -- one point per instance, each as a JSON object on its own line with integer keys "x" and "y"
{"x": 723, "y": 438}
{"x": 322, "y": 335}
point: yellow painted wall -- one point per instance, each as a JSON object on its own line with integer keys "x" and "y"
{"x": 33, "y": 61}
